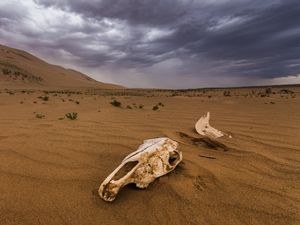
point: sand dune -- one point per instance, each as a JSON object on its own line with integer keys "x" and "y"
{"x": 19, "y": 69}
{"x": 51, "y": 168}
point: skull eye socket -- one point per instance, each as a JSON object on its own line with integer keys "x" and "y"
{"x": 173, "y": 158}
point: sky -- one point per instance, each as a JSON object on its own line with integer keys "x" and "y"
{"x": 161, "y": 43}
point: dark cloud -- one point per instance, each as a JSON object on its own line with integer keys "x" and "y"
{"x": 202, "y": 41}
{"x": 154, "y": 12}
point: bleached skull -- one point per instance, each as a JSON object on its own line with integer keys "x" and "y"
{"x": 153, "y": 159}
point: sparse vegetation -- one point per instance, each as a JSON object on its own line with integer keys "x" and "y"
{"x": 10, "y": 92}
{"x": 39, "y": 116}
{"x": 227, "y": 93}
{"x": 286, "y": 91}
{"x": 16, "y": 73}
{"x": 155, "y": 108}
{"x": 72, "y": 115}
{"x": 6, "y": 71}
{"x": 141, "y": 106}
{"x": 128, "y": 107}
{"x": 116, "y": 103}
{"x": 44, "y": 97}
{"x": 268, "y": 91}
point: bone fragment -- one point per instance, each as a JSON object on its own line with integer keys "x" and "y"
{"x": 203, "y": 128}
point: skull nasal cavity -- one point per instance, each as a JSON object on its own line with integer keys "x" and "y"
{"x": 125, "y": 169}
{"x": 173, "y": 158}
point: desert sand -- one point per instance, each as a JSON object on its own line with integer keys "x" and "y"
{"x": 51, "y": 167}
{"x": 20, "y": 69}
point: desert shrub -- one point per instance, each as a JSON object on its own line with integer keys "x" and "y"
{"x": 39, "y": 116}
{"x": 268, "y": 91}
{"x": 10, "y": 92}
{"x": 155, "y": 108}
{"x": 6, "y": 71}
{"x": 286, "y": 91}
{"x": 227, "y": 93}
{"x": 141, "y": 106}
{"x": 44, "y": 98}
{"x": 72, "y": 115}
{"x": 116, "y": 103}
{"x": 77, "y": 102}
{"x": 263, "y": 95}
{"x": 128, "y": 107}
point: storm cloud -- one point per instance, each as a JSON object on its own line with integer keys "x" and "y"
{"x": 162, "y": 43}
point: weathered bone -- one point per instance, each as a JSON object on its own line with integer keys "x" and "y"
{"x": 153, "y": 159}
{"x": 203, "y": 127}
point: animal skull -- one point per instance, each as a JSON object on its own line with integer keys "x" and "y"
{"x": 203, "y": 127}
{"x": 153, "y": 159}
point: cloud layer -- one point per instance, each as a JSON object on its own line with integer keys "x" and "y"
{"x": 161, "y": 43}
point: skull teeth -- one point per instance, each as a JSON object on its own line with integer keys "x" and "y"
{"x": 142, "y": 185}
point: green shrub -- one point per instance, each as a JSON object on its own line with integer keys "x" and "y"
{"x": 155, "y": 108}
{"x": 268, "y": 91}
{"x": 72, "y": 115}
{"x": 227, "y": 93}
{"x": 6, "y": 71}
{"x": 44, "y": 98}
{"x": 39, "y": 116}
{"x": 116, "y": 103}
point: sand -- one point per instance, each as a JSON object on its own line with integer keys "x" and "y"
{"x": 51, "y": 168}
{"x": 20, "y": 69}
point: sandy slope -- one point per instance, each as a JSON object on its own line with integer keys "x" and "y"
{"x": 28, "y": 71}
{"x": 50, "y": 169}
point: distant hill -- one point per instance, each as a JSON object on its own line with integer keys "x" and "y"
{"x": 20, "y": 69}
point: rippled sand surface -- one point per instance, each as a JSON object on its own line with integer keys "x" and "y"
{"x": 51, "y": 168}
